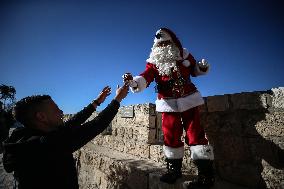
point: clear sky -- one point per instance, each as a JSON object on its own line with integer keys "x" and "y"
{"x": 72, "y": 49}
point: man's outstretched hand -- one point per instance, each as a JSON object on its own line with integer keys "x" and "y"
{"x": 103, "y": 94}
{"x": 121, "y": 92}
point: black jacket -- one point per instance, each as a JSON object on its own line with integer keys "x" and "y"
{"x": 6, "y": 121}
{"x": 44, "y": 160}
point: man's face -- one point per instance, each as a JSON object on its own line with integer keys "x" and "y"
{"x": 53, "y": 115}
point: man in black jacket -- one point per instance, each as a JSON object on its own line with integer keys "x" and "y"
{"x": 6, "y": 121}
{"x": 40, "y": 153}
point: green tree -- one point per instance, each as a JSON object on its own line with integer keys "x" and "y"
{"x": 7, "y": 96}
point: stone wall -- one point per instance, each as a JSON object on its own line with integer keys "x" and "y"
{"x": 247, "y": 133}
{"x": 245, "y": 129}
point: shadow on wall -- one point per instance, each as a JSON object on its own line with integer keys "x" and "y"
{"x": 241, "y": 139}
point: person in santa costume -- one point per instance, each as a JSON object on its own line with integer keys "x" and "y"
{"x": 171, "y": 66}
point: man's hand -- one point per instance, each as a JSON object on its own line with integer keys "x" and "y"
{"x": 121, "y": 92}
{"x": 102, "y": 96}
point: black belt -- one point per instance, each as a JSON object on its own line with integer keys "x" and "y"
{"x": 171, "y": 84}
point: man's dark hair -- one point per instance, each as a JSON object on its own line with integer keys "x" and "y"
{"x": 25, "y": 109}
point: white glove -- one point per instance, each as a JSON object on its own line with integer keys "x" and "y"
{"x": 133, "y": 84}
{"x": 203, "y": 64}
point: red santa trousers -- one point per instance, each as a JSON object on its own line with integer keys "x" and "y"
{"x": 173, "y": 124}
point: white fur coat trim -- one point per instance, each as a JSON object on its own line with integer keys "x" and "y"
{"x": 185, "y": 63}
{"x": 185, "y": 53}
{"x": 179, "y": 104}
{"x": 173, "y": 153}
{"x": 202, "y": 152}
{"x": 141, "y": 84}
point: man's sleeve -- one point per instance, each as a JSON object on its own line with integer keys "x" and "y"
{"x": 80, "y": 117}
{"x": 70, "y": 139}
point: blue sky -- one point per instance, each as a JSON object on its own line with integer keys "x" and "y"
{"x": 72, "y": 49}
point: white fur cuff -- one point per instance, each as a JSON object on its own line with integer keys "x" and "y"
{"x": 202, "y": 152}
{"x": 141, "y": 84}
{"x": 133, "y": 84}
{"x": 173, "y": 153}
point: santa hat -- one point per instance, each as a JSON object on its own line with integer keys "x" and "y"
{"x": 165, "y": 34}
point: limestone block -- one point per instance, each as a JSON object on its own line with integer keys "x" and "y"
{"x": 203, "y": 107}
{"x": 120, "y": 132}
{"x": 155, "y": 183}
{"x": 128, "y": 133}
{"x": 278, "y": 97}
{"x": 137, "y": 149}
{"x": 144, "y": 134}
{"x": 187, "y": 163}
{"x": 152, "y": 121}
{"x": 274, "y": 178}
{"x": 99, "y": 167}
{"x": 217, "y": 103}
{"x": 249, "y": 101}
{"x": 211, "y": 122}
{"x": 138, "y": 179}
{"x": 245, "y": 173}
{"x": 231, "y": 148}
{"x": 152, "y": 136}
{"x": 272, "y": 125}
{"x": 142, "y": 114}
{"x": 156, "y": 153}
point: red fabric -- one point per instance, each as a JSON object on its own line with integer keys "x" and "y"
{"x": 173, "y": 124}
{"x": 151, "y": 73}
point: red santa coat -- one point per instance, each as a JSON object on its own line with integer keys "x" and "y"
{"x": 176, "y": 93}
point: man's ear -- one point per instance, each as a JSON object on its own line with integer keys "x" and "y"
{"x": 41, "y": 116}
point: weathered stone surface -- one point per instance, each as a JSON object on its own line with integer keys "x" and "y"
{"x": 217, "y": 103}
{"x": 246, "y": 131}
{"x": 156, "y": 153}
{"x": 142, "y": 117}
{"x": 272, "y": 125}
{"x": 249, "y": 101}
{"x": 203, "y": 108}
{"x": 113, "y": 170}
{"x": 6, "y": 179}
{"x": 242, "y": 129}
{"x": 273, "y": 177}
{"x": 101, "y": 169}
{"x": 278, "y": 97}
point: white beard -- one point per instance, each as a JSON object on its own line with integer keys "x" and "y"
{"x": 165, "y": 58}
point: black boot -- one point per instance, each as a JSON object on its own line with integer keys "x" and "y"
{"x": 205, "y": 178}
{"x": 174, "y": 171}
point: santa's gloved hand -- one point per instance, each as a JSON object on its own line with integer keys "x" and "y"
{"x": 203, "y": 65}
{"x": 128, "y": 78}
